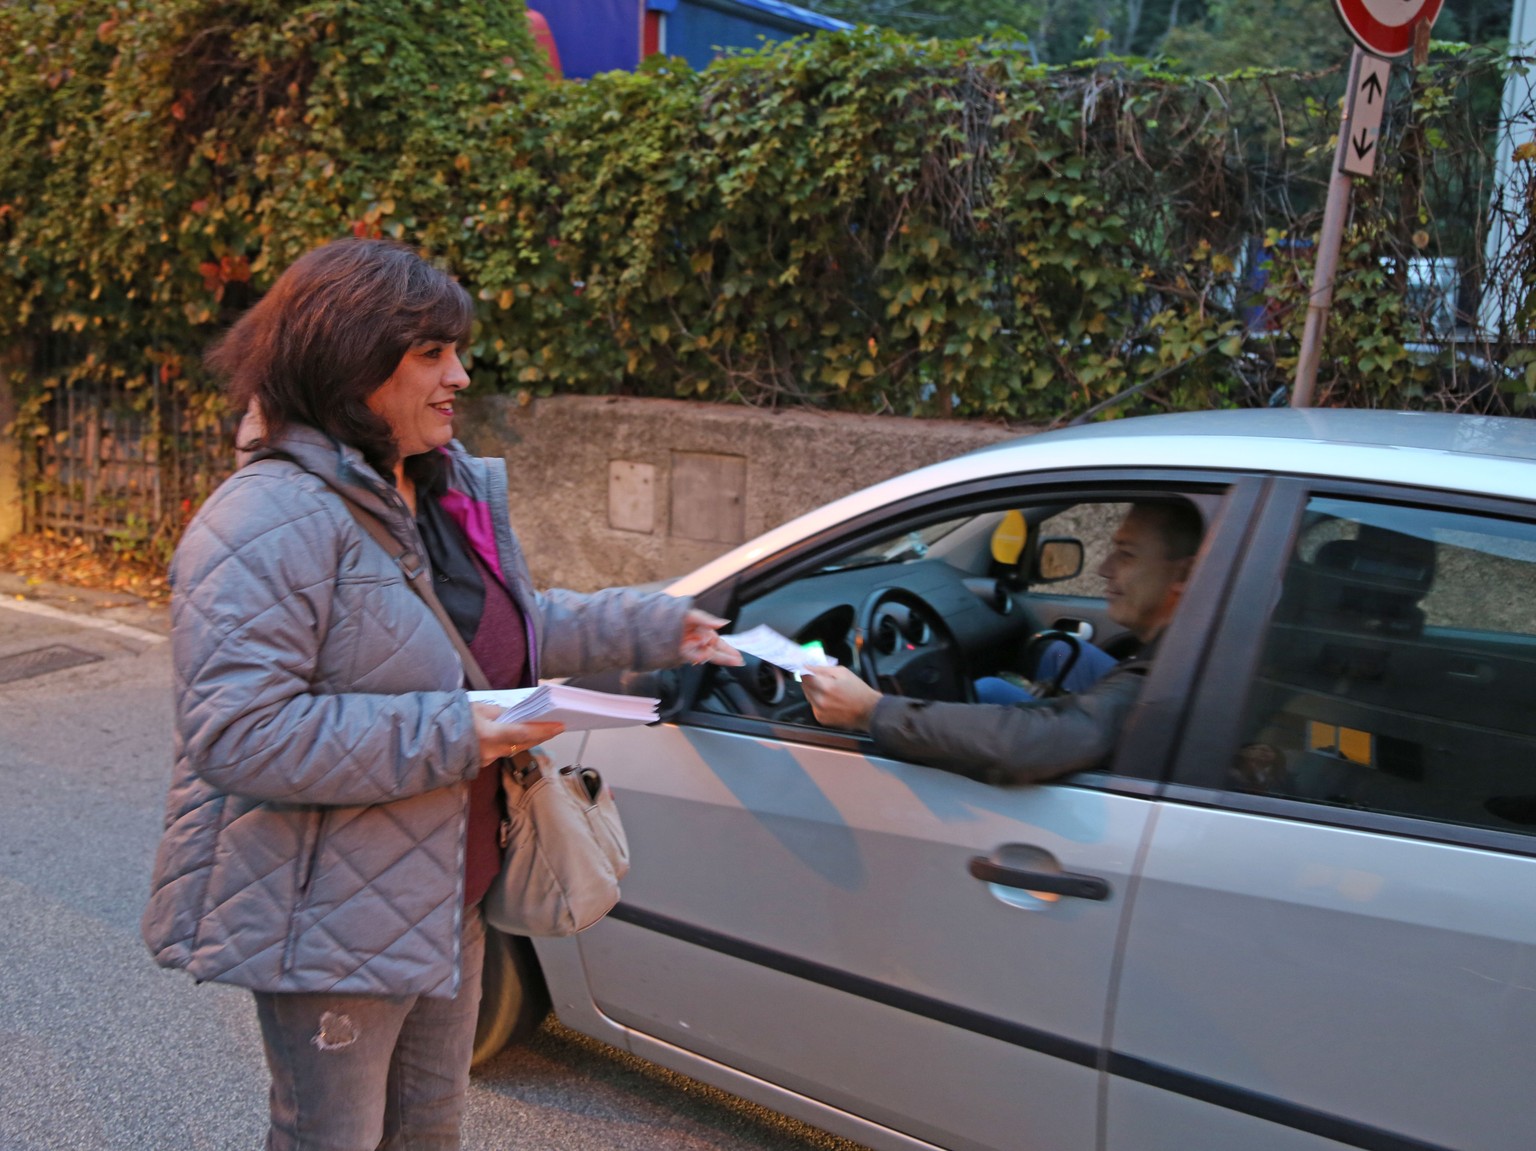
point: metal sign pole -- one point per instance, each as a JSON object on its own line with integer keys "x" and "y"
{"x": 1328, "y": 244}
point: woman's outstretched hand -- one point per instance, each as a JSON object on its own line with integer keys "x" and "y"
{"x": 702, "y": 642}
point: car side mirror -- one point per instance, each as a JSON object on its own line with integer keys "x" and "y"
{"x": 1058, "y": 558}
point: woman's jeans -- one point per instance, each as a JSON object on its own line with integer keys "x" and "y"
{"x": 359, "y": 1073}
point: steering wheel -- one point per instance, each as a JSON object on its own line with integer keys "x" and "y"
{"x": 904, "y": 647}
{"x": 1035, "y": 647}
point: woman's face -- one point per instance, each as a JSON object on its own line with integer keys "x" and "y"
{"x": 417, "y": 400}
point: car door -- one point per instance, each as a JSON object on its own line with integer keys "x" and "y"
{"x": 805, "y": 911}
{"x": 1333, "y": 935}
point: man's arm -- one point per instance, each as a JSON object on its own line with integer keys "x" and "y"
{"x": 1003, "y": 744}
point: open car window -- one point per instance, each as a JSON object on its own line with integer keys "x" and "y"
{"x": 946, "y": 607}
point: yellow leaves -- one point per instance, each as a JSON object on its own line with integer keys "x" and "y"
{"x": 46, "y": 557}
{"x": 1525, "y": 152}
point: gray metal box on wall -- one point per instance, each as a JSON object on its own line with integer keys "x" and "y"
{"x": 709, "y": 497}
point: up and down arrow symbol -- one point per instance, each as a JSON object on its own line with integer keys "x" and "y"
{"x": 1367, "y": 103}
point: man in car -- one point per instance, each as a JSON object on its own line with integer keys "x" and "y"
{"x": 1151, "y": 555}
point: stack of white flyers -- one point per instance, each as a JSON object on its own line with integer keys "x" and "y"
{"x": 579, "y": 708}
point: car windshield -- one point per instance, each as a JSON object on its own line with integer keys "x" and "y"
{"x": 912, "y": 544}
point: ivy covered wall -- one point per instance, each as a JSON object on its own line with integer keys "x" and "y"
{"x": 854, "y": 221}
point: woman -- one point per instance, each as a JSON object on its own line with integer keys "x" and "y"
{"x": 330, "y": 829}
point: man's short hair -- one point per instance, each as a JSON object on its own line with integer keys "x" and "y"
{"x": 1177, "y": 522}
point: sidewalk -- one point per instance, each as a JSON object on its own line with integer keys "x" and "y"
{"x": 108, "y": 610}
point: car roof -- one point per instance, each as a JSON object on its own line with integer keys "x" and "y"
{"x": 1334, "y": 427}
{"x": 1484, "y": 455}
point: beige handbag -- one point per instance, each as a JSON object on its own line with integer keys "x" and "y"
{"x": 565, "y": 850}
{"x": 563, "y": 847}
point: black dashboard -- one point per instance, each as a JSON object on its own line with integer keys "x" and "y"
{"x": 921, "y": 628}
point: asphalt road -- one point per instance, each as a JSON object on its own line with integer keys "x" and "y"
{"x": 102, "y": 1051}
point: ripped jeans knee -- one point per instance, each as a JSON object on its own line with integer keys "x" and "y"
{"x": 336, "y": 1030}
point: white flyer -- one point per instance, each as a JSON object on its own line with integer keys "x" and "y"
{"x": 771, "y": 647}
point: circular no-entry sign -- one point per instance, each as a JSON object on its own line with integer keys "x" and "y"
{"x": 1385, "y": 27}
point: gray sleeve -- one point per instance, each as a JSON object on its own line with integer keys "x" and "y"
{"x": 255, "y": 581}
{"x": 1002, "y": 744}
{"x": 611, "y": 630}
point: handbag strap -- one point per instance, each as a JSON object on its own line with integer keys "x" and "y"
{"x": 418, "y": 578}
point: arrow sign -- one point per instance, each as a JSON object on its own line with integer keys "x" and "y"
{"x": 1367, "y": 101}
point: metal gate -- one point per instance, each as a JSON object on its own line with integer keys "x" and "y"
{"x": 123, "y": 465}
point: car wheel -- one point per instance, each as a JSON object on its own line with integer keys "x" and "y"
{"x": 513, "y": 998}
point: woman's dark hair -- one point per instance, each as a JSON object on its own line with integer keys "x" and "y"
{"x": 331, "y": 331}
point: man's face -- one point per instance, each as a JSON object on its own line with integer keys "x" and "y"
{"x": 1141, "y": 584}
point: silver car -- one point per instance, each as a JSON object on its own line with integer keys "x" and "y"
{"x": 1297, "y": 907}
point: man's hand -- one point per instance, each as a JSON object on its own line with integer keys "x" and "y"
{"x": 839, "y": 698}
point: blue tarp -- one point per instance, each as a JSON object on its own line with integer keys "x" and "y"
{"x": 795, "y": 20}
{"x": 602, "y": 35}
{"x": 698, "y": 29}
{"x": 594, "y": 35}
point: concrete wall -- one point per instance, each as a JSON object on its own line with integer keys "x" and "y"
{"x": 608, "y": 491}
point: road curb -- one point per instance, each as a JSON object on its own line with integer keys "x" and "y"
{"x": 80, "y": 619}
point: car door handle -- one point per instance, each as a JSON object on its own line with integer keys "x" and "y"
{"x": 1066, "y": 883}
{"x": 1473, "y": 670}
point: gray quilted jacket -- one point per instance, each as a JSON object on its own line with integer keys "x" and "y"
{"x": 315, "y": 828}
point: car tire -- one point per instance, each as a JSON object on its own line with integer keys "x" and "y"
{"x": 513, "y": 997}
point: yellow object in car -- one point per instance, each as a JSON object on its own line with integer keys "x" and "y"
{"x": 1345, "y": 742}
{"x": 1009, "y": 537}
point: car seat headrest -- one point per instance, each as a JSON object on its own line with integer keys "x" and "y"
{"x": 1373, "y": 582}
